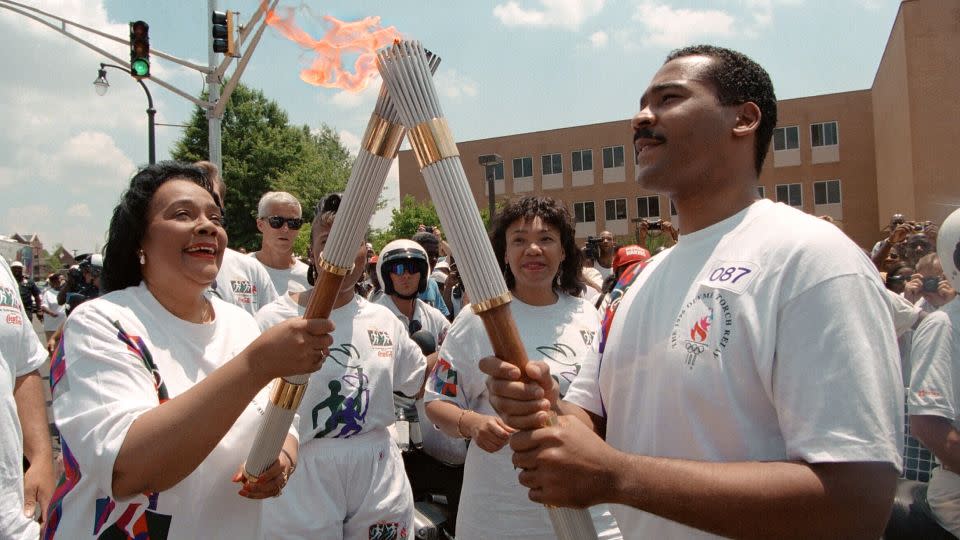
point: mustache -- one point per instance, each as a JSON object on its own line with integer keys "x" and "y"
{"x": 647, "y": 133}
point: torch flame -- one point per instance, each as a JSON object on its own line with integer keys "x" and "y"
{"x": 363, "y": 37}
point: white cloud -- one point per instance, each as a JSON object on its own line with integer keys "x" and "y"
{"x": 599, "y": 39}
{"x": 669, "y": 27}
{"x": 79, "y": 210}
{"x": 569, "y": 14}
{"x": 451, "y": 84}
{"x": 362, "y": 99}
{"x": 350, "y": 140}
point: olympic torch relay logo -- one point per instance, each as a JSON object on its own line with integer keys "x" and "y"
{"x": 705, "y": 324}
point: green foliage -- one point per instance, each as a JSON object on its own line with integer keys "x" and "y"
{"x": 409, "y": 216}
{"x": 262, "y": 152}
{"x": 51, "y": 260}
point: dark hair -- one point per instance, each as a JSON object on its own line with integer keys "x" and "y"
{"x": 553, "y": 213}
{"x": 739, "y": 80}
{"x": 121, "y": 264}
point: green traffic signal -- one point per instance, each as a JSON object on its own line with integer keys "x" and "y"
{"x": 139, "y": 49}
{"x": 140, "y": 67}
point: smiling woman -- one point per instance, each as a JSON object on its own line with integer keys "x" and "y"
{"x": 155, "y": 339}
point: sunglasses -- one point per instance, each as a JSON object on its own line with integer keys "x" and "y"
{"x": 293, "y": 223}
{"x": 404, "y": 267}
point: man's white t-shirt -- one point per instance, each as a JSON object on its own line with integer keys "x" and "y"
{"x": 102, "y": 382}
{"x": 493, "y": 504}
{"x": 763, "y": 337}
{"x": 293, "y": 279}
{"x": 49, "y": 298}
{"x": 20, "y": 353}
{"x": 243, "y": 282}
{"x": 935, "y": 391}
{"x": 371, "y": 358}
{"x": 430, "y": 318}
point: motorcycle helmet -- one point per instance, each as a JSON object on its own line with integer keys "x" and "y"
{"x": 948, "y": 248}
{"x": 399, "y": 251}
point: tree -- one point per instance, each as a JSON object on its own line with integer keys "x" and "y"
{"x": 411, "y": 214}
{"x": 262, "y": 152}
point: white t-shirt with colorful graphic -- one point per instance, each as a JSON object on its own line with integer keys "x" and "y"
{"x": 493, "y": 504}
{"x": 370, "y": 359}
{"x": 760, "y": 338}
{"x": 293, "y": 279}
{"x": 115, "y": 351}
{"x": 243, "y": 282}
{"x": 20, "y": 353}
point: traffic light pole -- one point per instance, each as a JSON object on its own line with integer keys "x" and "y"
{"x": 214, "y": 144}
{"x": 151, "y": 112}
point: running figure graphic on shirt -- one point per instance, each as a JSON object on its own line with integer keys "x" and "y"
{"x": 349, "y": 411}
{"x": 564, "y": 355}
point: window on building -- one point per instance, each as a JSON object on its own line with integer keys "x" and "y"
{"x": 791, "y": 194}
{"x": 612, "y": 157}
{"x": 761, "y": 191}
{"x": 584, "y": 212}
{"x": 615, "y": 209}
{"x": 648, "y": 207}
{"x": 522, "y": 167}
{"x": 582, "y": 160}
{"x": 827, "y": 192}
{"x": 552, "y": 164}
{"x": 497, "y": 171}
{"x": 673, "y": 209}
{"x": 824, "y": 134}
{"x": 786, "y": 138}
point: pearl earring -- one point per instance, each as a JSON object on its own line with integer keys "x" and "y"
{"x": 143, "y": 258}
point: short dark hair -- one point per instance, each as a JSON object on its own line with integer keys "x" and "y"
{"x": 738, "y": 80}
{"x": 553, "y": 213}
{"x": 121, "y": 264}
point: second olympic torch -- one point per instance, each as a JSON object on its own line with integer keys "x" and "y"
{"x": 405, "y": 72}
{"x": 379, "y": 147}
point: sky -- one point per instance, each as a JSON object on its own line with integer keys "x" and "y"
{"x": 508, "y": 67}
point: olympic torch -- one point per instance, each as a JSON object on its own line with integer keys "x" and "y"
{"x": 379, "y": 148}
{"x": 405, "y": 72}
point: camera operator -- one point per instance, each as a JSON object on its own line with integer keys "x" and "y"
{"x": 29, "y": 292}
{"x": 927, "y": 288}
{"x": 650, "y": 235}
{"x": 598, "y": 259}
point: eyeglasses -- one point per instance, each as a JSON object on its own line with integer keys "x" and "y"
{"x": 293, "y": 223}
{"x": 403, "y": 267}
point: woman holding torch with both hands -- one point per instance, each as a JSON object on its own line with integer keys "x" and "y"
{"x": 533, "y": 239}
{"x": 157, "y": 389}
{"x": 350, "y": 481}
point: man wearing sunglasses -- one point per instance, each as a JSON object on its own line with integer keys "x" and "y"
{"x": 279, "y": 221}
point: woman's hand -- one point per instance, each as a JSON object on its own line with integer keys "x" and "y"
{"x": 487, "y": 432}
{"x": 293, "y": 347}
{"x": 269, "y": 484}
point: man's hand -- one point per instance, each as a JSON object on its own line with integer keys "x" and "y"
{"x": 912, "y": 291}
{"x": 671, "y": 230}
{"x": 899, "y": 234}
{"x": 523, "y": 404}
{"x": 566, "y": 465}
{"x": 38, "y": 486}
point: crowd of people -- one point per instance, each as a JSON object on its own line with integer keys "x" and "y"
{"x": 742, "y": 377}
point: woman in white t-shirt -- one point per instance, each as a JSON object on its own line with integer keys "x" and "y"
{"x": 350, "y": 480}
{"x": 158, "y": 391}
{"x": 533, "y": 239}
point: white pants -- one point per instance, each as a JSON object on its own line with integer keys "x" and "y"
{"x": 350, "y": 489}
{"x": 943, "y": 496}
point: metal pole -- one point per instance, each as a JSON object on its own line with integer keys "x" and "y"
{"x": 214, "y": 149}
{"x": 151, "y": 126}
{"x": 491, "y": 194}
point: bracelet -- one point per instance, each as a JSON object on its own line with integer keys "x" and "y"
{"x": 459, "y": 428}
{"x": 293, "y": 464}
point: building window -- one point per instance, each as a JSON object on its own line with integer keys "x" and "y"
{"x": 761, "y": 191}
{"x": 497, "y": 171}
{"x": 612, "y": 157}
{"x": 584, "y": 212}
{"x": 615, "y": 209}
{"x": 582, "y": 160}
{"x": 522, "y": 167}
{"x": 824, "y": 134}
{"x": 827, "y": 192}
{"x": 648, "y": 207}
{"x": 791, "y": 194}
{"x": 786, "y": 138}
{"x": 552, "y": 164}
{"x": 673, "y": 209}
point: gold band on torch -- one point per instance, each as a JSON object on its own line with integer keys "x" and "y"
{"x": 432, "y": 141}
{"x": 287, "y": 395}
{"x": 382, "y": 137}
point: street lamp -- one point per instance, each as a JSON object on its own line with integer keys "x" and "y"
{"x": 101, "y": 85}
{"x": 490, "y": 162}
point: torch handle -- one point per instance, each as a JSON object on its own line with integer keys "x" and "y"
{"x": 325, "y": 292}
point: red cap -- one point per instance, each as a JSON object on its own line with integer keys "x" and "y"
{"x": 629, "y": 255}
{"x": 373, "y": 260}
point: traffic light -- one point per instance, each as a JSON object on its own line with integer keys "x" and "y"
{"x": 222, "y": 31}
{"x": 139, "y": 49}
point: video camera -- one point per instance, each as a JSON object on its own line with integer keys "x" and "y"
{"x": 592, "y": 248}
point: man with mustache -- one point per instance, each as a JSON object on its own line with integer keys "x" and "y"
{"x": 747, "y": 381}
